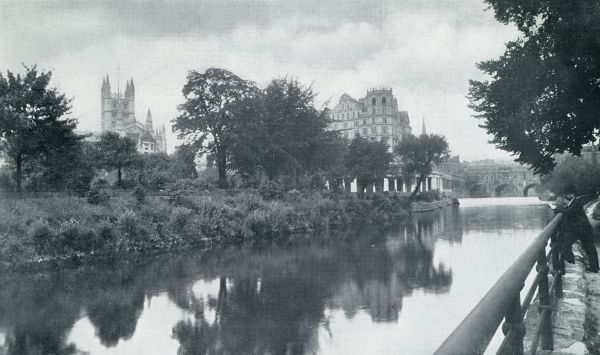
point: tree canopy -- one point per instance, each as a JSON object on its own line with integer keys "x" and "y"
{"x": 418, "y": 155}
{"x": 208, "y": 116}
{"x": 368, "y": 161}
{"x": 573, "y": 171}
{"x": 282, "y": 131}
{"x": 32, "y": 119}
{"x": 544, "y": 94}
{"x": 116, "y": 152}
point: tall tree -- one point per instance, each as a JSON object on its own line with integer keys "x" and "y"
{"x": 543, "y": 97}
{"x": 68, "y": 168}
{"x": 573, "y": 171}
{"x": 32, "y": 118}
{"x": 331, "y": 160}
{"x": 283, "y": 131}
{"x": 418, "y": 156}
{"x": 367, "y": 161}
{"x": 116, "y": 152}
{"x": 183, "y": 162}
{"x": 208, "y": 115}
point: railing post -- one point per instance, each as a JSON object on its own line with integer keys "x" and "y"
{"x": 546, "y": 336}
{"x": 513, "y": 324}
{"x": 558, "y": 264}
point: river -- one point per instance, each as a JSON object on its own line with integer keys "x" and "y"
{"x": 376, "y": 290}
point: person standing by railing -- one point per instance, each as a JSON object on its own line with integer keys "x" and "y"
{"x": 576, "y": 226}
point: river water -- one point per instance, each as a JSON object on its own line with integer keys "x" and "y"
{"x": 376, "y": 290}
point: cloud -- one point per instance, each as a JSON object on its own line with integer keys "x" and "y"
{"x": 425, "y": 50}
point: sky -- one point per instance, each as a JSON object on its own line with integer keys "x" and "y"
{"x": 425, "y": 50}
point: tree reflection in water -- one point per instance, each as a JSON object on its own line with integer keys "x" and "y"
{"x": 271, "y": 298}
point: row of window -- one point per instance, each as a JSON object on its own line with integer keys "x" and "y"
{"x": 354, "y": 114}
{"x": 373, "y": 102}
{"x": 356, "y": 133}
{"x": 365, "y": 121}
{"x": 372, "y": 130}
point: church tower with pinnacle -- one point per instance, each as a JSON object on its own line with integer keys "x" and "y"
{"x": 118, "y": 115}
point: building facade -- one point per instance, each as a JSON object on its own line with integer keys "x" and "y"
{"x": 118, "y": 115}
{"x": 375, "y": 116}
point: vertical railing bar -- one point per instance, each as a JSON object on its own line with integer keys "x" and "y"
{"x": 538, "y": 333}
{"x": 513, "y": 323}
{"x": 530, "y": 294}
{"x": 545, "y": 304}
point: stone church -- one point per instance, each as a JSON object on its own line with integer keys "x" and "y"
{"x": 118, "y": 115}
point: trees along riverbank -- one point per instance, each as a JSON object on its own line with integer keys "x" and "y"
{"x": 259, "y": 139}
{"x": 54, "y": 228}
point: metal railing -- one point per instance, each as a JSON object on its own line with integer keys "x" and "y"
{"x": 502, "y": 302}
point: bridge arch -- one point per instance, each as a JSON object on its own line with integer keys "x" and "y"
{"x": 478, "y": 190}
{"x": 504, "y": 188}
{"x": 528, "y": 187}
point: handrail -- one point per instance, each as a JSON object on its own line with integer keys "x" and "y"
{"x": 475, "y": 332}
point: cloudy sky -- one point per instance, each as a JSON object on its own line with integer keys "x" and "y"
{"x": 425, "y": 50}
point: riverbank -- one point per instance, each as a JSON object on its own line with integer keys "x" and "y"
{"x": 41, "y": 230}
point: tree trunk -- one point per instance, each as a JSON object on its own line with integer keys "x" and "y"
{"x": 119, "y": 175}
{"x": 222, "y": 167}
{"x": 348, "y": 185}
{"x": 19, "y": 173}
{"x": 419, "y": 182}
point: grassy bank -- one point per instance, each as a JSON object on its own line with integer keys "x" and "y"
{"x": 54, "y": 227}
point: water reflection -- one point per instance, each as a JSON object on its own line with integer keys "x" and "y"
{"x": 273, "y": 297}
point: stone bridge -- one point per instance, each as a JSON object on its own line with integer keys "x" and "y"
{"x": 501, "y": 180}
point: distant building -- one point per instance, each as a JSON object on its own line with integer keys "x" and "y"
{"x": 118, "y": 115}
{"x": 375, "y": 116}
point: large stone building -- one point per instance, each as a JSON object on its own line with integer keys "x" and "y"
{"x": 118, "y": 115}
{"x": 375, "y": 116}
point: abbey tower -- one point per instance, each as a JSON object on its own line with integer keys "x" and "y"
{"x": 118, "y": 115}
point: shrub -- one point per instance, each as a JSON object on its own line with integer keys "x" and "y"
{"x": 139, "y": 194}
{"x": 126, "y": 184}
{"x": 100, "y": 184}
{"x": 179, "y": 219}
{"x": 246, "y": 201}
{"x": 129, "y": 226}
{"x": 43, "y": 238}
{"x": 159, "y": 180}
{"x": 97, "y": 196}
{"x": 292, "y": 196}
{"x": 271, "y": 190}
{"x": 106, "y": 235}
{"x": 73, "y": 237}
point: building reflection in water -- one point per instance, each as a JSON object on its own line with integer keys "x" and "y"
{"x": 271, "y": 297}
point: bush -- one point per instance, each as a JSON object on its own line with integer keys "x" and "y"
{"x": 159, "y": 180}
{"x": 129, "y": 226}
{"x": 271, "y": 190}
{"x": 126, "y": 184}
{"x": 43, "y": 238}
{"x": 73, "y": 237}
{"x": 179, "y": 219}
{"x": 97, "y": 196}
{"x": 139, "y": 194}
{"x": 100, "y": 184}
{"x": 106, "y": 235}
